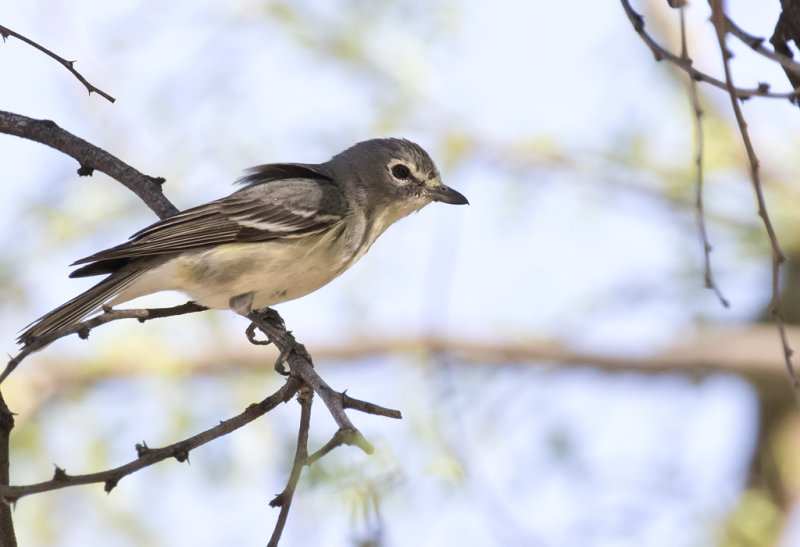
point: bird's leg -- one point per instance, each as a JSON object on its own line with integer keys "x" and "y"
{"x": 242, "y": 303}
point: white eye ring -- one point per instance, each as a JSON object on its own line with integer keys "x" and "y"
{"x": 400, "y": 171}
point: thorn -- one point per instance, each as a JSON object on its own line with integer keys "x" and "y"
{"x": 85, "y": 171}
{"x": 83, "y": 333}
{"x": 109, "y": 485}
{"x": 278, "y": 500}
{"x": 59, "y": 475}
{"x": 755, "y": 41}
{"x": 181, "y": 454}
{"x": 142, "y": 449}
{"x": 158, "y": 180}
{"x": 763, "y": 87}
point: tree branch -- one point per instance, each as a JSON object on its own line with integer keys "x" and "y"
{"x": 756, "y": 44}
{"x": 295, "y": 355}
{"x": 719, "y": 19}
{"x": 284, "y": 499}
{"x": 699, "y": 140}
{"x": 90, "y": 158}
{"x": 7, "y": 536}
{"x": 786, "y": 30}
{"x": 685, "y": 64}
{"x": 84, "y": 328}
{"x": 6, "y": 32}
{"x": 148, "y": 456}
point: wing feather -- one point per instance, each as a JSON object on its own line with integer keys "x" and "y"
{"x": 274, "y": 208}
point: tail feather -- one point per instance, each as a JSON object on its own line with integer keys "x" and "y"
{"x": 80, "y": 306}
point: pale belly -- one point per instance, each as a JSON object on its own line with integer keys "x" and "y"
{"x": 273, "y": 271}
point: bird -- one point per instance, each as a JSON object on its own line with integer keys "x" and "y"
{"x": 290, "y": 229}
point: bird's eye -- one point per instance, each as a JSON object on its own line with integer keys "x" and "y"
{"x": 401, "y": 172}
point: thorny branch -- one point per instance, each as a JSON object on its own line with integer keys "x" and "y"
{"x": 85, "y": 327}
{"x": 661, "y": 53}
{"x": 147, "y": 456}
{"x": 787, "y": 29}
{"x": 284, "y": 499}
{"x": 7, "y": 537}
{"x": 719, "y": 20}
{"x": 723, "y": 26}
{"x": 294, "y": 354}
{"x": 70, "y": 65}
{"x": 90, "y": 157}
{"x": 301, "y": 377}
{"x": 699, "y": 138}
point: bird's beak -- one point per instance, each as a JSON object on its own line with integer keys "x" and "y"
{"x": 445, "y": 194}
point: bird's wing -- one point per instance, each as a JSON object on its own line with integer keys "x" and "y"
{"x": 266, "y": 209}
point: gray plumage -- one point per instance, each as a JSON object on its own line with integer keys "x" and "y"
{"x": 291, "y": 229}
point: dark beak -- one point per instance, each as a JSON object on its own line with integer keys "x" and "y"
{"x": 445, "y": 194}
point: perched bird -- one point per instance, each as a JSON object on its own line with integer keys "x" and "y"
{"x": 292, "y": 229}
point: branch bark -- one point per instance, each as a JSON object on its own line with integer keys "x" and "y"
{"x": 148, "y": 456}
{"x": 69, "y": 65}
{"x": 661, "y": 53}
{"x": 719, "y": 20}
{"x": 7, "y": 536}
{"x": 90, "y": 158}
{"x": 85, "y": 327}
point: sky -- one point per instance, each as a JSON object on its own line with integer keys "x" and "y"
{"x": 563, "y": 240}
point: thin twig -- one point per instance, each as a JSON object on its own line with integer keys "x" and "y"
{"x": 369, "y": 408}
{"x": 90, "y": 158}
{"x": 85, "y": 327}
{"x": 148, "y": 456}
{"x": 755, "y": 43}
{"x": 718, "y": 18}
{"x": 662, "y": 53}
{"x": 284, "y": 499}
{"x": 697, "y": 110}
{"x": 300, "y": 365}
{"x": 6, "y": 32}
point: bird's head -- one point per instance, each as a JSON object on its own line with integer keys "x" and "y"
{"x": 395, "y": 173}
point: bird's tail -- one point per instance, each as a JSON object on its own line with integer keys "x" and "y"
{"x": 81, "y": 306}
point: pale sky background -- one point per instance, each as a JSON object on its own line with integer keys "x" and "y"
{"x": 575, "y": 249}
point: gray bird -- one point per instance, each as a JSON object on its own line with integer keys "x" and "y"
{"x": 293, "y": 228}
